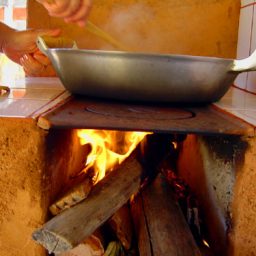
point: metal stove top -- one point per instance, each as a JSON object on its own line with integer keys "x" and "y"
{"x": 94, "y": 114}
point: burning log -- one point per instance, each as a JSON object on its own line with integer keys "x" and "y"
{"x": 160, "y": 226}
{"x": 121, "y": 224}
{"x": 72, "y": 226}
{"x": 140, "y": 226}
{"x": 92, "y": 246}
{"x": 72, "y": 197}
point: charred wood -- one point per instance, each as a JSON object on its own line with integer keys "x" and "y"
{"x": 160, "y": 226}
{"x": 121, "y": 224}
{"x": 72, "y": 197}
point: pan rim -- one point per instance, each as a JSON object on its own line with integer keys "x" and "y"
{"x": 137, "y": 54}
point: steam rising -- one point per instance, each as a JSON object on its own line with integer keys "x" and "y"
{"x": 137, "y": 28}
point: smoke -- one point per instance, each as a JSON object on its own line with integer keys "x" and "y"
{"x": 136, "y": 27}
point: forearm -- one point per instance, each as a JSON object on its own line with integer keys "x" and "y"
{"x": 5, "y": 34}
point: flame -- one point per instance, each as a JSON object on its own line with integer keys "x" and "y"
{"x": 175, "y": 145}
{"x": 108, "y": 148}
{"x": 206, "y": 243}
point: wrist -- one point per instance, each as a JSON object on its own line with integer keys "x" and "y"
{"x": 5, "y": 35}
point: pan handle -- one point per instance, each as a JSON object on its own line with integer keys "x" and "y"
{"x": 247, "y": 64}
{"x": 41, "y": 45}
{"x": 46, "y": 42}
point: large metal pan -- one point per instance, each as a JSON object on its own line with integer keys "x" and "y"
{"x": 145, "y": 77}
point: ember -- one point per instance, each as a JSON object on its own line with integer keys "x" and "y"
{"x": 190, "y": 207}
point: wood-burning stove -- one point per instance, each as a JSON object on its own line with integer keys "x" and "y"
{"x": 208, "y": 130}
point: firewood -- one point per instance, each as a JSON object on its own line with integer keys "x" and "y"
{"x": 91, "y": 246}
{"x": 72, "y": 197}
{"x": 121, "y": 224}
{"x": 160, "y": 226}
{"x": 114, "y": 249}
{"x": 140, "y": 226}
{"x": 69, "y": 228}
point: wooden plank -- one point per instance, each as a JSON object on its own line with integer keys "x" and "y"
{"x": 72, "y": 226}
{"x": 121, "y": 224}
{"x": 140, "y": 226}
{"x": 162, "y": 223}
{"x": 92, "y": 114}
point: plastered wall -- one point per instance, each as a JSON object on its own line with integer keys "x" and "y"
{"x": 195, "y": 27}
{"x": 22, "y": 177}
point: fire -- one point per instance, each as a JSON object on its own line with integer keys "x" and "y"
{"x": 206, "y": 243}
{"x": 108, "y": 148}
{"x": 175, "y": 145}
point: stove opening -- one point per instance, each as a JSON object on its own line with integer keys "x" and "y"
{"x": 139, "y": 193}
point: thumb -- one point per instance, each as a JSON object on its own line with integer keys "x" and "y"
{"x": 48, "y": 32}
{"x": 34, "y": 33}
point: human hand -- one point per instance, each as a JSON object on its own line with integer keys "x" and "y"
{"x": 37, "y": 65}
{"x": 72, "y": 11}
{"x": 19, "y": 43}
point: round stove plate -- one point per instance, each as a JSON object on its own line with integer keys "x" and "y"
{"x": 140, "y": 112}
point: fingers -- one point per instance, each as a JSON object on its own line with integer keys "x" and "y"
{"x": 30, "y": 65}
{"x": 34, "y": 68}
{"x": 25, "y": 41}
{"x": 29, "y": 45}
{"x": 81, "y": 15}
{"x": 64, "y": 9}
{"x": 17, "y": 43}
{"x": 47, "y": 32}
{"x": 41, "y": 58}
{"x": 73, "y": 11}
